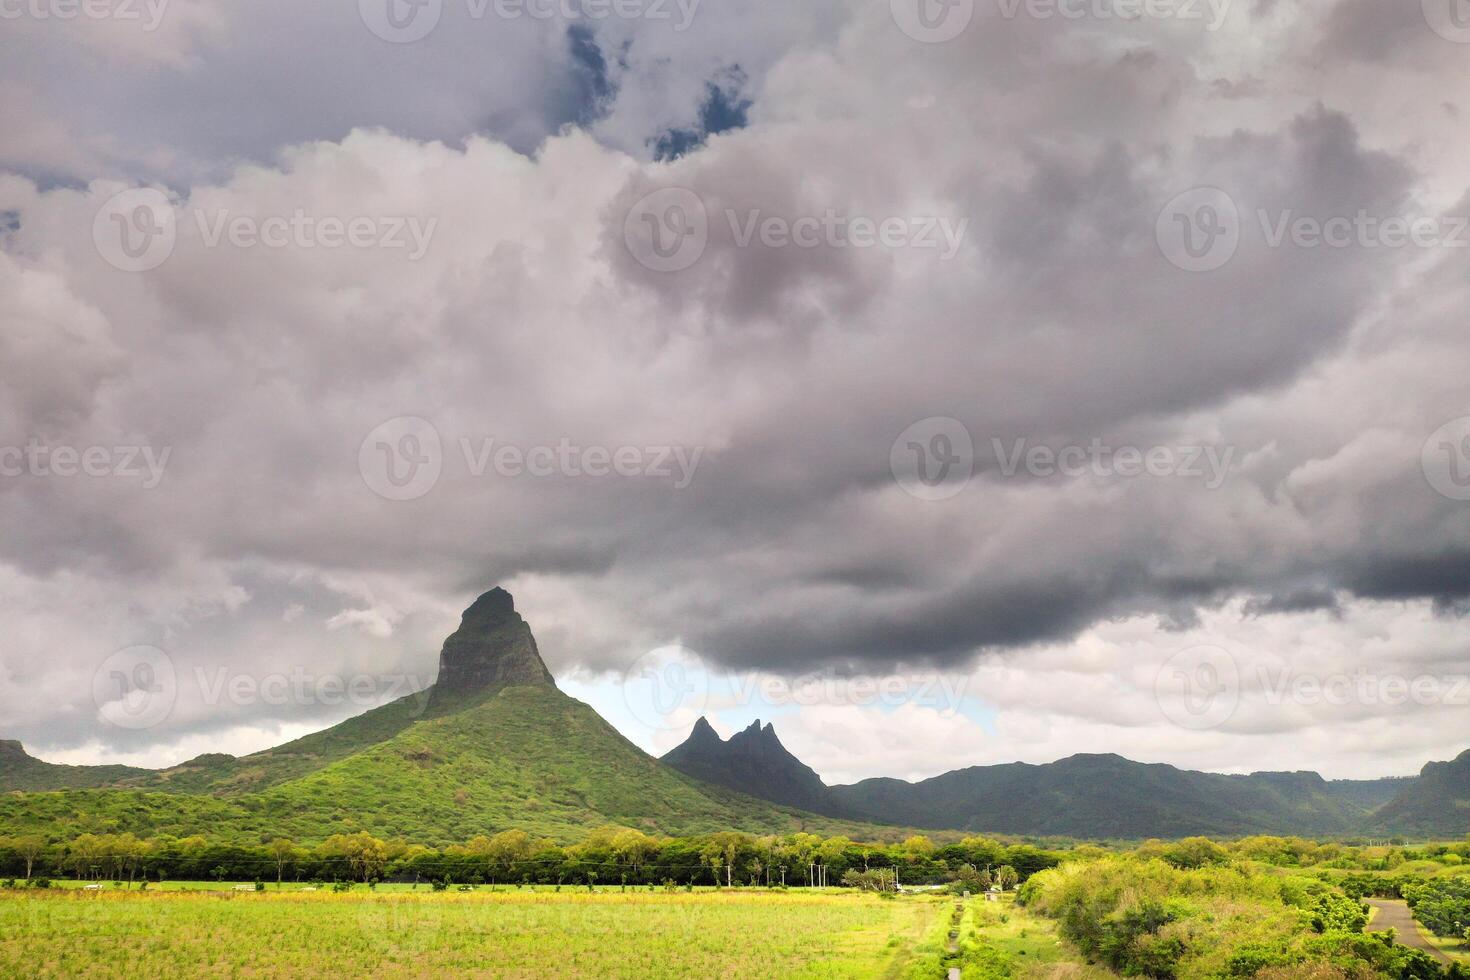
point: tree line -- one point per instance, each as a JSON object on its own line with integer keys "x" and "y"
{"x": 607, "y": 855}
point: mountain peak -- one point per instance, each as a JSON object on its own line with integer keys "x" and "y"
{"x": 493, "y": 648}
{"x": 751, "y": 761}
{"x": 704, "y": 732}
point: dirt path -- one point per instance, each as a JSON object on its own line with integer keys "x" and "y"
{"x": 1395, "y": 915}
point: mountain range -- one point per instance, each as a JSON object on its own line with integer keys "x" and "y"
{"x": 1093, "y": 796}
{"x": 494, "y": 744}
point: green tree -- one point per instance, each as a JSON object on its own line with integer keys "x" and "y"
{"x": 282, "y": 852}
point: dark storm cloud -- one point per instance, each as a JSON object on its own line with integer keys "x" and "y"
{"x": 1059, "y": 320}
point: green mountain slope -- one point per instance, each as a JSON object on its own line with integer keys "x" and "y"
{"x": 20, "y": 771}
{"x": 493, "y": 745}
{"x": 1107, "y": 796}
{"x": 1437, "y": 804}
{"x": 525, "y": 757}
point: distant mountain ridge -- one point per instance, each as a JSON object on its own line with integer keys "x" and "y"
{"x": 1097, "y": 796}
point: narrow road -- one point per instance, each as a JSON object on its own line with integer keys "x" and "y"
{"x": 1394, "y": 914}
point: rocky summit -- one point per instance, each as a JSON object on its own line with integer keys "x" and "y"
{"x": 493, "y": 648}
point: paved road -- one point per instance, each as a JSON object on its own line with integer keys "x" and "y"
{"x": 1395, "y": 915}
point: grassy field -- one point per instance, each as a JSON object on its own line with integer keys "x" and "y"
{"x": 66, "y": 932}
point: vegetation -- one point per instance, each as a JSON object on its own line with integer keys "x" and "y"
{"x": 506, "y": 933}
{"x": 528, "y": 757}
{"x": 610, "y": 854}
{"x": 1201, "y": 909}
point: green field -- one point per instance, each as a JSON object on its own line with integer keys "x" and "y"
{"x": 502, "y": 934}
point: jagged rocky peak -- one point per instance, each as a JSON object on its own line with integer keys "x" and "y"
{"x": 493, "y": 648}
{"x": 704, "y": 733}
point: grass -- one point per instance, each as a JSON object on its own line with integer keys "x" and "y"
{"x": 505, "y": 934}
{"x": 527, "y": 757}
{"x": 1001, "y": 939}
{"x": 995, "y": 941}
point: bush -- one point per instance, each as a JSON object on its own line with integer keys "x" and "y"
{"x": 1442, "y": 905}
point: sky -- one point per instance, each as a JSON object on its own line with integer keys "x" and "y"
{"x": 946, "y": 381}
